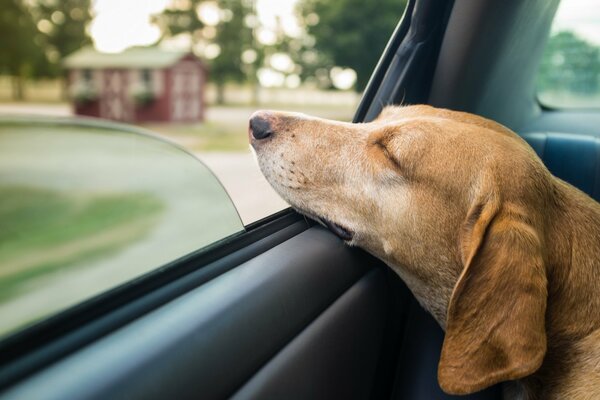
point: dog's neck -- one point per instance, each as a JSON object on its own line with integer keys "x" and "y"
{"x": 572, "y": 315}
{"x": 573, "y": 266}
{"x": 570, "y": 368}
{"x": 433, "y": 298}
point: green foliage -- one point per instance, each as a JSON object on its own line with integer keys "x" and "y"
{"x": 20, "y": 44}
{"x": 175, "y": 21}
{"x": 63, "y": 26}
{"x": 84, "y": 95}
{"x": 352, "y": 33}
{"x": 18, "y": 48}
{"x": 569, "y": 64}
{"x": 143, "y": 96}
{"x": 231, "y": 35}
{"x": 35, "y": 36}
{"x": 45, "y": 230}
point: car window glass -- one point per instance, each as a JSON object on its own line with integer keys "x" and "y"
{"x": 87, "y": 206}
{"x": 195, "y": 70}
{"x": 569, "y": 74}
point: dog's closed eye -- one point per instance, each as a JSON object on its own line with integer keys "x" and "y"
{"x": 380, "y": 153}
{"x": 388, "y": 155}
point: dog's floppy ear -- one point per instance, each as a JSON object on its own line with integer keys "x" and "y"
{"x": 495, "y": 328}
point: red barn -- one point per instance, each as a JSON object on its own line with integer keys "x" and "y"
{"x": 139, "y": 84}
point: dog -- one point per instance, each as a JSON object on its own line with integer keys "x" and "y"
{"x": 505, "y": 256}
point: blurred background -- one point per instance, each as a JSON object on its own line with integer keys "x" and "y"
{"x": 314, "y": 56}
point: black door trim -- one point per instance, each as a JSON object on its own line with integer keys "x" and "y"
{"x": 405, "y": 71}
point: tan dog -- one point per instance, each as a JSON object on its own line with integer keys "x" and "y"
{"x": 505, "y": 256}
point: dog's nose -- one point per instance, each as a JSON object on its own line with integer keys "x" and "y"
{"x": 260, "y": 127}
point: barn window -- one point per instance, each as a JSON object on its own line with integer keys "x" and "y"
{"x": 87, "y": 75}
{"x": 146, "y": 76}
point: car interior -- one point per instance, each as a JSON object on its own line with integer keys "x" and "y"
{"x": 286, "y": 310}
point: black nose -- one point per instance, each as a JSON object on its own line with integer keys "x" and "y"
{"x": 260, "y": 127}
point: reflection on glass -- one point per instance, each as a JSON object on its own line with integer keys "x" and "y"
{"x": 87, "y": 206}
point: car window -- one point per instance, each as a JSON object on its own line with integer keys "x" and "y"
{"x": 569, "y": 74}
{"x": 85, "y": 206}
{"x": 194, "y": 70}
{"x": 88, "y": 204}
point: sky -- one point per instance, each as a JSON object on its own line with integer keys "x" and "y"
{"x": 119, "y": 24}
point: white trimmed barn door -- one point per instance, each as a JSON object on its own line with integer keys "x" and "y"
{"x": 186, "y": 92}
{"x": 115, "y": 102}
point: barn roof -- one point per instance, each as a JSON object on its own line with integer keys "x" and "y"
{"x": 135, "y": 57}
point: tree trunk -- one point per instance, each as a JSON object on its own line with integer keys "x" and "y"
{"x": 18, "y": 92}
{"x": 220, "y": 93}
{"x": 64, "y": 87}
{"x": 255, "y": 88}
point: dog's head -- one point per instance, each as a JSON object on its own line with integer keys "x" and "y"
{"x": 452, "y": 202}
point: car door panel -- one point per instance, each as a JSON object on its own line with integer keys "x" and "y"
{"x": 416, "y": 376}
{"x": 308, "y": 318}
{"x": 212, "y": 339}
{"x": 32, "y": 349}
{"x": 336, "y": 356}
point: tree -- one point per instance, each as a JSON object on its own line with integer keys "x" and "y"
{"x": 351, "y": 33}
{"x": 36, "y": 36}
{"x": 220, "y": 40}
{"x": 569, "y": 64}
{"x": 20, "y": 44}
{"x": 232, "y": 37}
{"x": 182, "y": 19}
{"x": 64, "y": 28}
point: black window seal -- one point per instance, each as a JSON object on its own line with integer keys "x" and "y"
{"x": 405, "y": 71}
{"x": 384, "y": 63}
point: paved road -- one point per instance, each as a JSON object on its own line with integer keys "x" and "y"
{"x": 251, "y": 193}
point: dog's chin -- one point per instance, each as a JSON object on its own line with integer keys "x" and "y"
{"x": 338, "y": 230}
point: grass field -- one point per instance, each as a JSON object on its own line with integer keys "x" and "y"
{"x": 226, "y": 127}
{"x": 208, "y": 136}
{"x": 45, "y": 230}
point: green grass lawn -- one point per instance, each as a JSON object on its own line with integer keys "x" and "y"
{"x": 44, "y": 230}
{"x": 208, "y": 136}
{"x": 226, "y": 128}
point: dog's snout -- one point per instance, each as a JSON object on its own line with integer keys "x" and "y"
{"x": 260, "y": 126}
